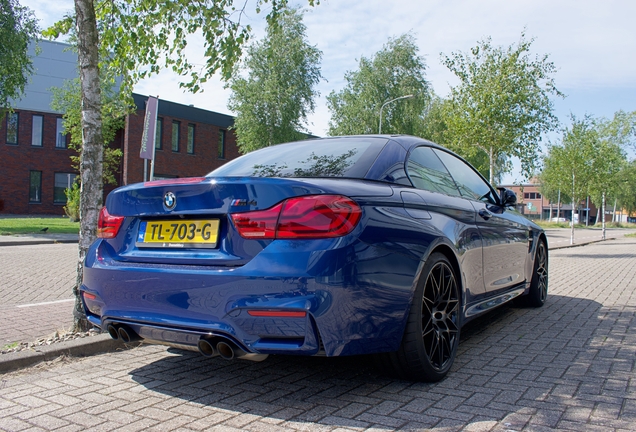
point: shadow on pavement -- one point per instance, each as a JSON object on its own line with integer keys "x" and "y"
{"x": 559, "y": 365}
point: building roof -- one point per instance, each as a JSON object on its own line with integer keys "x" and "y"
{"x": 186, "y": 112}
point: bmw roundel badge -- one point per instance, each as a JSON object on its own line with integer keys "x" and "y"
{"x": 169, "y": 200}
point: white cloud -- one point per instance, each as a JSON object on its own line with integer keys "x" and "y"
{"x": 592, "y": 44}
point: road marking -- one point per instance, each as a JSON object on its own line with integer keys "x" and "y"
{"x": 46, "y": 303}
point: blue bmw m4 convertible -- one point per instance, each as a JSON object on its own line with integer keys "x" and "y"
{"x": 353, "y": 245}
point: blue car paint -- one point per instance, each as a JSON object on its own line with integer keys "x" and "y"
{"x": 339, "y": 282}
{"x": 356, "y": 290}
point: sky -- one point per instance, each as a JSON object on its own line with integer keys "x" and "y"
{"x": 592, "y": 43}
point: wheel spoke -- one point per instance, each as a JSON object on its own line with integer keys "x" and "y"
{"x": 440, "y": 310}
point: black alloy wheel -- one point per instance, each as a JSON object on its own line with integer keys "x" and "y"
{"x": 440, "y": 316}
{"x": 542, "y": 272}
{"x": 431, "y": 335}
{"x": 538, "y": 293}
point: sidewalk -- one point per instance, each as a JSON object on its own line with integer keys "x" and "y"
{"x": 32, "y": 239}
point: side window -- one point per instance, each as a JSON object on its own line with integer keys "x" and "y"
{"x": 175, "y": 135}
{"x": 36, "y": 130}
{"x": 60, "y": 133}
{"x": 35, "y": 186}
{"x": 159, "y": 133}
{"x": 12, "y": 128}
{"x": 221, "y": 145}
{"x": 427, "y": 172}
{"x": 63, "y": 181}
{"x": 190, "y": 145}
{"x": 470, "y": 183}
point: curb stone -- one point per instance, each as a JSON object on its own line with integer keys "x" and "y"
{"x": 82, "y": 347}
{"x": 35, "y": 242}
{"x": 579, "y": 244}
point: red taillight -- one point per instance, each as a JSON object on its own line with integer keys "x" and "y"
{"x": 108, "y": 225}
{"x": 88, "y": 296}
{"x": 309, "y": 217}
{"x": 277, "y": 314}
{"x": 258, "y": 224}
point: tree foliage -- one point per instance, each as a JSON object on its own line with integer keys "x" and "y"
{"x": 568, "y": 166}
{"x": 626, "y": 190}
{"x": 587, "y": 163}
{"x": 502, "y": 104}
{"x": 135, "y": 39}
{"x": 67, "y": 100}
{"x": 18, "y": 28}
{"x": 394, "y": 71}
{"x": 621, "y": 129}
{"x": 277, "y": 89}
{"x": 142, "y": 37}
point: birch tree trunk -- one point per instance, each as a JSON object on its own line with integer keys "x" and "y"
{"x": 91, "y": 192}
{"x": 603, "y": 216}
{"x": 492, "y": 165}
{"x": 598, "y": 217}
{"x": 573, "y": 203}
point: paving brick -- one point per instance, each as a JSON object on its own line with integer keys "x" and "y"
{"x": 566, "y": 366}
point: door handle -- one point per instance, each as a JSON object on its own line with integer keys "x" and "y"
{"x": 485, "y": 214}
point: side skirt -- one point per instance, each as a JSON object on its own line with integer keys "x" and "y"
{"x": 493, "y": 302}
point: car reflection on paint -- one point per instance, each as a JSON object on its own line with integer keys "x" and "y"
{"x": 370, "y": 244}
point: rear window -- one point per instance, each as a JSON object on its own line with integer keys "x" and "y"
{"x": 330, "y": 157}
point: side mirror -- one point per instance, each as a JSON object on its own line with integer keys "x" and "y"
{"x": 508, "y": 197}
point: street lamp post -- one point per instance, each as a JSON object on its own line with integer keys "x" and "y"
{"x": 388, "y": 102}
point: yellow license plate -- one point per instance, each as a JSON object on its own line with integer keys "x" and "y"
{"x": 179, "y": 233}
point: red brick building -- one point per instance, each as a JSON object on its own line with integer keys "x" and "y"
{"x": 35, "y": 164}
{"x": 189, "y": 141}
{"x": 534, "y": 205}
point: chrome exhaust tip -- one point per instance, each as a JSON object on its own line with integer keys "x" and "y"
{"x": 112, "y": 331}
{"x": 206, "y": 348}
{"x": 225, "y": 350}
{"x": 127, "y": 335}
{"x": 229, "y": 351}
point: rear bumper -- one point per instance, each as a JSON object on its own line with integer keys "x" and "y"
{"x": 354, "y": 297}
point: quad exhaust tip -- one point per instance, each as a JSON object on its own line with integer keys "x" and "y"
{"x": 206, "y": 348}
{"x": 122, "y": 333}
{"x": 227, "y": 350}
{"x": 112, "y": 331}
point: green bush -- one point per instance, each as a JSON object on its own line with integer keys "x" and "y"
{"x": 72, "y": 206}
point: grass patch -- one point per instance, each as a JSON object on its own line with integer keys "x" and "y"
{"x": 61, "y": 225}
{"x": 10, "y": 346}
{"x": 545, "y": 224}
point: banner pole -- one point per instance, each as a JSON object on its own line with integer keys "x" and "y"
{"x": 154, "y": 147}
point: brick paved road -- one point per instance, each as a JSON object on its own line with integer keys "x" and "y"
{"x": 33, "y": 275}
{"x": 41, "y": 277}
{"x": 567, "y": 366}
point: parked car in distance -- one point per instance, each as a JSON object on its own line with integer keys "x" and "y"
{"x": 559, "y": 219}
{"x": 371, "y": 244}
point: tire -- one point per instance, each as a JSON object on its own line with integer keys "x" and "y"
{"x": 431, "y": 337}
{"x": 538, "y": 293}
